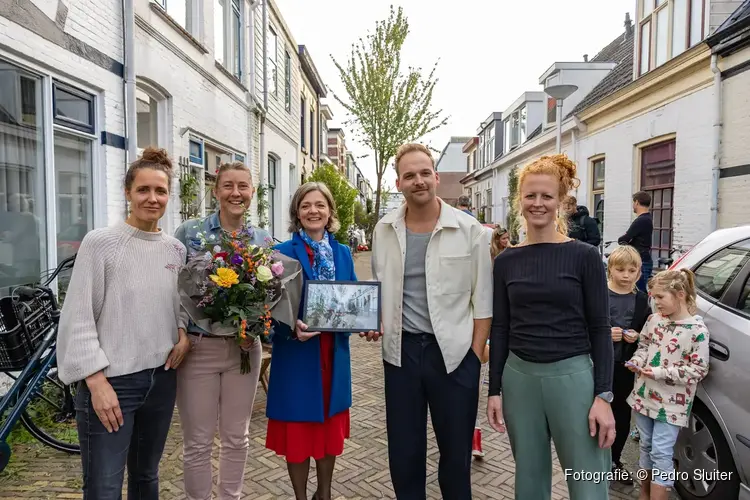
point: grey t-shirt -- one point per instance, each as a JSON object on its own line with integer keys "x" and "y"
{"x": 416, "y": 315}
{"x": 621, "y": 310}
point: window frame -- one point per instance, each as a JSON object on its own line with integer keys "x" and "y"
{"x": 287, "y": 81}
{"x": 649, "y": 21}
{"x": 595, "y": 190}
{"x": 45, "y": 81}
{"x": 735, "y": 285}
{"x": 70, "y": 123}
{"x": 272, "y": 58}
{"x": 272, "y": 166}
{"x": 303, "y": 122}
{"x": 192, "y": 15}
{"x": 195, "y": 159}
{"x": 312, "y": 132}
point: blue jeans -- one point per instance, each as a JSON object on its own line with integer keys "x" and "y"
{"x": 647, "y": 268}
{"x": 147, "y": 400}
{"x": 657, "y": 448}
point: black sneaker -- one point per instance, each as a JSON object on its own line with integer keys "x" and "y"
{"x": 621, "y": 474}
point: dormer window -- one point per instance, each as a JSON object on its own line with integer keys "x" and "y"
{"x": 515, "y": 129}
{"x": 666, "y": 29}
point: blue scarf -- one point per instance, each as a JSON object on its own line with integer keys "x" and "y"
{"x": 323, "y": 267}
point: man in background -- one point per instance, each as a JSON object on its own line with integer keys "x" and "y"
{"x": 639, "y": 236}
{"x": 581, "y": 226}
{"x": 464, "y": 204}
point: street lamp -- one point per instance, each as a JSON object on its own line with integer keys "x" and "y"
{"x": 559, "y": 93}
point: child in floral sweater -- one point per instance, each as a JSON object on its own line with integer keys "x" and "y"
{"x": 672, "y": 357}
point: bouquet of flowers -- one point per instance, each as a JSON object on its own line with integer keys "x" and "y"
{"x": 230, "y": 285}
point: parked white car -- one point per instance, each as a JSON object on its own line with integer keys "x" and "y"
{"x": 714, "y": 450}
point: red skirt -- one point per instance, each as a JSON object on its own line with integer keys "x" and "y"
{"x": 299, "y": 441}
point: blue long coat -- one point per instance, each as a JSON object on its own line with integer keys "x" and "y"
{"x": 295, "y": 391}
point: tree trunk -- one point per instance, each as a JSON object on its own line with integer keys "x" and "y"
{"x": 379, "y": 173}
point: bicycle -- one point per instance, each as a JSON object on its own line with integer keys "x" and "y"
{"x": 28, "y": 344}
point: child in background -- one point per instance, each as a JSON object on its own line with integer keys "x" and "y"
{"x": 628, "y": 312}
{"x": 672, "y": 357}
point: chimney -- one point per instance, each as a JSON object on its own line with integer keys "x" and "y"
{"x": 585, "y": 58}
{"x": 628, "y": 25}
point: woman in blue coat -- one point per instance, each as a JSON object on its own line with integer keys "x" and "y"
{"x": 310, "y": 386}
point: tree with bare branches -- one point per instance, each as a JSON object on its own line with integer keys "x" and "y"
{"x": 386, "y": 105}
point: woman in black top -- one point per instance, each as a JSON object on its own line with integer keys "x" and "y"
{"x": 551, "y": 348}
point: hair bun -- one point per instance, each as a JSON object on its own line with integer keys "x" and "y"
{"x": 567, "y": 169}
{"x": 158, "y": 156}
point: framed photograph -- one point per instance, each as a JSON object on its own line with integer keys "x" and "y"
{"x": 342, "y": 306}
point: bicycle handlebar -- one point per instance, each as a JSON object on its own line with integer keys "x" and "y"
{"x": 64, "y": 265}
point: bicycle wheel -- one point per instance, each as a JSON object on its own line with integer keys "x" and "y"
{"x": 50, "y": 416}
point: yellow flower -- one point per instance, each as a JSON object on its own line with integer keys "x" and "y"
{"x": 263, "y": 274}
{"x": 225, "y": 277}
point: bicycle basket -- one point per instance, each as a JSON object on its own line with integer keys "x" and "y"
{"x": 20, "y": 339}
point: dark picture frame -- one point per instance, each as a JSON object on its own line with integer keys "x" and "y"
{"x": 342, "y": 306}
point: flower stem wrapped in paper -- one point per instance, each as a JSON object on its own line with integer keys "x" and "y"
{"x": 233, "y": 288}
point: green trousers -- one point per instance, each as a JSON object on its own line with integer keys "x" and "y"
{"x": 552, "y": 400}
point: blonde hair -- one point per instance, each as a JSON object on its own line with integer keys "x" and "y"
{"x": 624, "y": 256}
{"x": 675, "y": 282}
{"x": 299, "y": 195}
{"x": 559, "y": 167}
{"x": 235, "y": 165}
{"x": 412, "y": 148}
{"x": 497, "y": 233}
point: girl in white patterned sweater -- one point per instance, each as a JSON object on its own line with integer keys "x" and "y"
{"x": 672, "y": 357}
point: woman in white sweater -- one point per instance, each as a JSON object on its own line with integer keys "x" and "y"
{"x": 121, "y": 337}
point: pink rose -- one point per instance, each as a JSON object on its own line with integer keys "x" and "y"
{"x": 277, "y": 268}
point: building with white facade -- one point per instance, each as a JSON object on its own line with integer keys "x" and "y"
{"x": 643, "y": 118}
{"x": 451, "y": 167}
{"x": 280, "y": 126}
{"x": 313, "y": 90}
{"x": 62, "y": 130}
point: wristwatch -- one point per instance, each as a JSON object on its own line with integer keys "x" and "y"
{"x": 606, "y": 396}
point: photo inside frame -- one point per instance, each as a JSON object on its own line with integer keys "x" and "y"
{"x": 342, "y": 306}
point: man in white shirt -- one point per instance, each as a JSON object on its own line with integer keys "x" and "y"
{"x": 434, "y": 265}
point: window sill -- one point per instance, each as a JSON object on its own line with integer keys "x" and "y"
{"x": 229, "y": 75}
{"x": 182, "y": 31}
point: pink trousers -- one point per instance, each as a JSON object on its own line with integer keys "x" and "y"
{"x": 210, "y": 391}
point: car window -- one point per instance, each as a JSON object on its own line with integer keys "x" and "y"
{"x": 744, "y": 303}
{"x": 715, "y": 275}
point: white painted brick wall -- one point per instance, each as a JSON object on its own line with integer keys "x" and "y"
{"x": 691, "y": 119}
{"x": 734, "y": 202}
{"x": 736, "y": 120}
{"x": 196, "y": 102}
{"x": 98, "y": 23}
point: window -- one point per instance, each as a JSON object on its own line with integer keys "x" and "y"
{"x": 491, "y": 143}
{"x": 272, "y": 169}
{"x": 46, "y": 182}
{"x": 714, "y": 276}
{"x": 517, "y": 128}
{"x": 657, "y": 178}
{"x": 181, "y": 12}
{"x": 195, "y": 148}
{"x": 506, "y": 135}
{"x": 22, "y": 178}
{"x": 239, "y": 158}
{"x": 744, "y": 301}
{"x": 73, "y": 109}
{"x": 667, "y": 29}
{"x": 273, "y": 51}
{"x": 73, "y": 191}
{"x": 302, "y": 115}
{"x": 228, "y": 35}
{"x": 312, "y": 132}
{"x": 219, "y": 31}
{"x": 523, "y": 124}
{"x": 597, "y": 191}
{"x": 288, "y": 81}
{"x": 551, "y": 110}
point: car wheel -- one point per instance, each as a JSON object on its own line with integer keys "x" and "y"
{"x": 703, "y": 458}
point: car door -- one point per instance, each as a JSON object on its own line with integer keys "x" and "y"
{"x": 723, "y": 289}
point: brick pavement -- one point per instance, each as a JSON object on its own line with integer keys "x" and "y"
{"x": 361, "y": 473}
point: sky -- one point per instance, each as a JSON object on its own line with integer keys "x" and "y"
{"x": 488, "y": 51}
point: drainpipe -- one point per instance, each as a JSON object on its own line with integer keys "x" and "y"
{"x": 716, "y": 163}
{"x": 128, "y": 91}
{"x": 263, "y": 161}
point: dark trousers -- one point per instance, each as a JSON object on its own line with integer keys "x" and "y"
{"x": 147, "y": 400}
{"x": 647, "y": 267}
{"x": 622, "y": 385}
{"x": 422, "y": 382}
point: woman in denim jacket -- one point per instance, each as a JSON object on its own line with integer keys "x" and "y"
{"x": 210, "y": 387}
